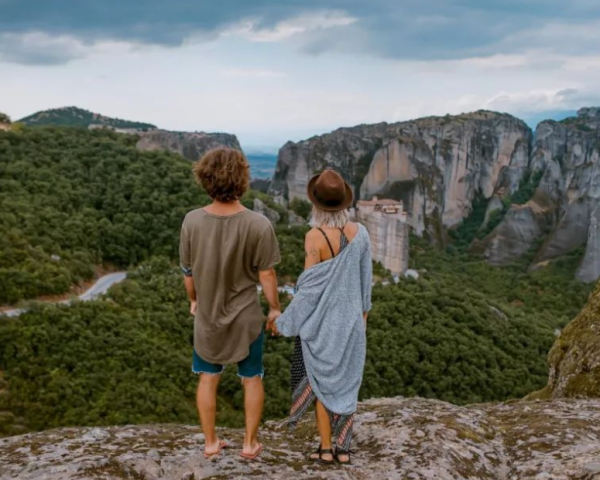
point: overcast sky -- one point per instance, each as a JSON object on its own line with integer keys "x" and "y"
{"x": 277, "y": 70}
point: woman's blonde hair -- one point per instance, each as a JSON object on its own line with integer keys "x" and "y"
{"x": 322, "y": 218}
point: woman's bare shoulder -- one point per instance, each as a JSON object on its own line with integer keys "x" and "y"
{"x": 351, "y": 230}
{"x": 313, "y": 235}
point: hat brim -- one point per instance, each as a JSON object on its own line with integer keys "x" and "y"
{"x": 348, "y": 197}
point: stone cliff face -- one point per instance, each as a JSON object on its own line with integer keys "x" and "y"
{"x": 348, "y": 150}
{"x": 589, "y": 270}
{"x": 190, "y": 145}
{"x": 574, "y": 360}
{"x": 394, "y": 439}
{"x": 566, "y": 156}
{"x": 437, "y": 166}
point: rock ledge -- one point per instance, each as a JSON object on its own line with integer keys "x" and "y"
{"x": 395, "y": 439}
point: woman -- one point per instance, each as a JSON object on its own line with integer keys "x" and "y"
{"x": 328, "y": 315}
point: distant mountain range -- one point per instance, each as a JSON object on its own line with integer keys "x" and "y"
{"x": 78, "y": 117}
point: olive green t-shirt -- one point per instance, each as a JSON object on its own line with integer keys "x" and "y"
{"x": 224, "y": 254}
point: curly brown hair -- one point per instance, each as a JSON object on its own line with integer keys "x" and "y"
{"x": 224, "y": 173}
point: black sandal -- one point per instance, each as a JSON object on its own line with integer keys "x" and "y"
{"x": 342, "y": 452}
{"x": 320, "y": 452}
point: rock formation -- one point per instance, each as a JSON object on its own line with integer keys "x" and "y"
{"x": 438, "y": 166}
{"x": 589, "y": 270}
{"x": 271, "y": 214}
{"x": 522, "y": 226}
{"x": 295, "y": 220}
{"x": 397, "y": 438}
{"x": 190, "y": 145}
{"x": 275, "y": 217}
{"x": 574, "y": 360}
{"x": 260, "y": 185}
{"x": 567, "y": 157}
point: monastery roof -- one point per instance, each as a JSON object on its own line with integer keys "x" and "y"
{"x": 380, "y": 201}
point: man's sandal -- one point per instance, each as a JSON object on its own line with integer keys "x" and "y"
{"x": 255, "y": 455}
{"x": 222, "y": 445}
{"x": 320, "y": 452}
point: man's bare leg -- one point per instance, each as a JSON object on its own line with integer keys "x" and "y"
{"x": 206, "y": 400}
{"x": 254, "y": 399}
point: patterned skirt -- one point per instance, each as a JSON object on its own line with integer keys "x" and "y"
{"x": 303, "y": 397}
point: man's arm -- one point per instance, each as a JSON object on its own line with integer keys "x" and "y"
{"x": 268, "y": 280}
{"x": 191, "y": 292}
{"x": 185, "y": 259}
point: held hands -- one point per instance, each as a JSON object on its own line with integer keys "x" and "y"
{"x": 273, "y": 315}
{"x": 193, "y": 307}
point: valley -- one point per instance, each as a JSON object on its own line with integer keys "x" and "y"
{"x": 468, "y": 330}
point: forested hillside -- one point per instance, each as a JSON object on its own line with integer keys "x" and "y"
{"x": 78, "y": 117}
{"x": 464, "y": 333}
{"x": 72, "y": 199}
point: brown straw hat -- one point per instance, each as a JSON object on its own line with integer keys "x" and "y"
{"x": 329, "y": 192}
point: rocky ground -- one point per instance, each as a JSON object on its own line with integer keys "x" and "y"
{"x": 397, "y": 438}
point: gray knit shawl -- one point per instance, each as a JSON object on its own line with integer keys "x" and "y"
{"x": 327, "y": 314}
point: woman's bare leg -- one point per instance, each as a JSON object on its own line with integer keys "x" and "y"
{"x": 324, "y": 427}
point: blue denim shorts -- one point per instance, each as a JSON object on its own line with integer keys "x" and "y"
{"x": 251, "y": 366}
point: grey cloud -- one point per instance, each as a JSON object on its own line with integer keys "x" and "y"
{"x": 39, "y": 49}
{"x": 408, "y": 29}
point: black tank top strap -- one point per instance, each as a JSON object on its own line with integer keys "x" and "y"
{"x": 328, "y": 242}
{"x": 343, "y": 240}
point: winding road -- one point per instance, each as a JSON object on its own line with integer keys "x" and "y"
{"x": 99, "y": 288}
{"x": 106, "y": 281}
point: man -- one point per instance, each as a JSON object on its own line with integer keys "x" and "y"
{"x": 225, "y": 251}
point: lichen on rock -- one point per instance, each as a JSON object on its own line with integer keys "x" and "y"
{"x": 574, "y": 360}
{"x": 396, "y": 438}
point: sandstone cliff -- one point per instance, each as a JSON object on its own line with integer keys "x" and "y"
{"x": 397, "y": 438}
{"x": 574, "y": 360}
{"x": 566, "y": 156}
{"x": 190, "y": 145}
{"x": 589, "y": 270}
{"x": 545, "y": 189}
{"x": 437, "y": 166}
